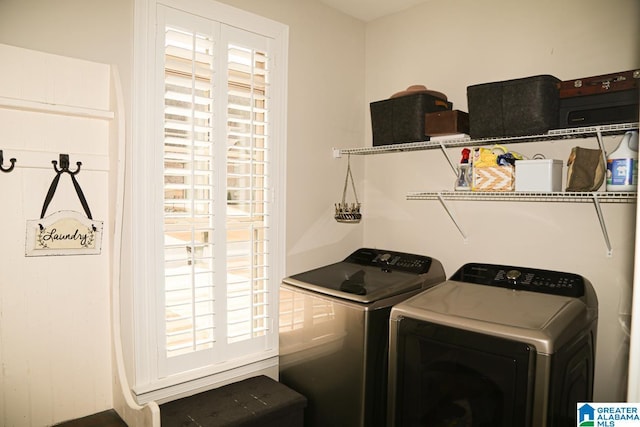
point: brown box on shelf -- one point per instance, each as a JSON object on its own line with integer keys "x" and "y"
{"x": 595, "y": 85}
{"x": 446, "y": 123}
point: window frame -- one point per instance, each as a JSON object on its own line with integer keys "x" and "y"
{"x": 150, "y": 379}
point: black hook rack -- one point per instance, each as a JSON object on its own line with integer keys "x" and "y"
{"x": 64, "y": 165}
{"x": 10, "y": 168}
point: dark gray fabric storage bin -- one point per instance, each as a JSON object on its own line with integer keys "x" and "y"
{"x": 518, "y": 107}
{"x": 399, "y": 120}
{"x": 255, "y": 402}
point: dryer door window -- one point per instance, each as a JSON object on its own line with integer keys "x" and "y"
{"x": 452, "y": 377}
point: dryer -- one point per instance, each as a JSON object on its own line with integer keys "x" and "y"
{"x": 494, "y": 345}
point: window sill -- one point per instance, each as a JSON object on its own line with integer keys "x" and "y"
{"x": 197, "y": 381}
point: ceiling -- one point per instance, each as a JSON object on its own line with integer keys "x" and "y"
{"x": 368, "y": 10}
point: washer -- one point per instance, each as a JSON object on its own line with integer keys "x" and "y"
{"x": 334, "y": 329}
{"x": 495, "y": 345}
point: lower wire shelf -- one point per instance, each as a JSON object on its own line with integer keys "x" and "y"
{"x": 525, "y": 196}
{"x": 596, "y": 198}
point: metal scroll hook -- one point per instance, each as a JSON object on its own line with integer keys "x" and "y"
{"x": 64, "y": 165}
{"x": 10, "y": 168}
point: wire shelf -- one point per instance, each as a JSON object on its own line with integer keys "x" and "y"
{"x": 521, "y": 196}
{"x": 555, "y": 134}
{"x": 596, "y": 198}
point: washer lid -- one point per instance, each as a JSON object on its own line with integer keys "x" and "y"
{"x": 355, "y": 282}
{"x": 526, "y": 316}
{"x": 370, "y": 275}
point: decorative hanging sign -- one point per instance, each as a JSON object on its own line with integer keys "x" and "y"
{"x": 64, "y": 232}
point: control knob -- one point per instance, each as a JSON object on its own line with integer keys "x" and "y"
{"x": 512, "y": 276}
{"x": 384, "y": 260}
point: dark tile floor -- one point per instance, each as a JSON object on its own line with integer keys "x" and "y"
{"x": 257, "y": 401}
{"x": 108, "y": 418}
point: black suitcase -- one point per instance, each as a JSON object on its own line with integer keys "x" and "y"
{"x": 600, "y": 109}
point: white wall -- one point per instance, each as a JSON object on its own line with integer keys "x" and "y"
{"x": 326, "y": 101}
{"x": 445, "y": 45}
{"x": 55, "y": 346}
{"x": 448, "y": 46}
{"x": 79, "y": 383}
{"x": 95, "y": 30}
{"x": 326, "y": 98}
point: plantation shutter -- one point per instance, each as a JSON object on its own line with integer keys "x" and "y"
{"x": 218, "y": 290}
{"x": 248, "y": 191}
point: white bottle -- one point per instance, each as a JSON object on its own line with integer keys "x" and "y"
{"x": 622, "y": 164}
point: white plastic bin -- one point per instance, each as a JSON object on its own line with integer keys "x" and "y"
{"x": 543, "y": 175}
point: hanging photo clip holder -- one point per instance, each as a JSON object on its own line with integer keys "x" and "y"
{"x": 64, "y": 232}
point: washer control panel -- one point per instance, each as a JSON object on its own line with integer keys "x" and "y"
{"x": 390, "y": 260}
{"x": 522, "y": 278}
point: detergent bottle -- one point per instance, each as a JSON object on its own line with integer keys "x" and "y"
{"x": 622, "y": 164}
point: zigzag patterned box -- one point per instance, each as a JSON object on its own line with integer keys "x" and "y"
{"x": 493, "y": 178}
